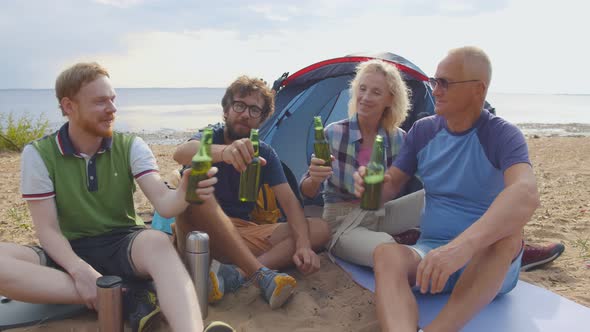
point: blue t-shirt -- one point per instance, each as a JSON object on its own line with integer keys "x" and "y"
{"x": 462, "y": 172}
{"x": 228, "y": 184}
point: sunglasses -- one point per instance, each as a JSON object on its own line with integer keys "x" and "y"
{"x": 443, "y": 83}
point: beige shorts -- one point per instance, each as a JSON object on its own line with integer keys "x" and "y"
{"x": 256, "y": 237}
{"x": 356, "y": 233}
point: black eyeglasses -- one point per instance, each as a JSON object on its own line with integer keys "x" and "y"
{"x": 444, "y": 83}
{"x": 239, "y": 107}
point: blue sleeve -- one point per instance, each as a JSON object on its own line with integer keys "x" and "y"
{"x": 514, "y": 150}
{"x": 407, "y": 158}
{"x": 419, "y": 136}
{"x": 272, "y": 172}
{"x": 197, "y": 136}
{"x": 217, "y": 134}
{"x": 504, "y": 144}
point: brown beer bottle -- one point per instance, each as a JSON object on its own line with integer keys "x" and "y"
{"x": 200, "y": 165}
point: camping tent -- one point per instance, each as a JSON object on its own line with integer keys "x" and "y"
{"x": 322, "y": 89}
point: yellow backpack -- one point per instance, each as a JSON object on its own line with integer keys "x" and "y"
{"x": 266, "y": 210}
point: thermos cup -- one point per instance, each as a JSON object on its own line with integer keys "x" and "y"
{"x": 110, "y": 304}
{"x": 196, "y": 256}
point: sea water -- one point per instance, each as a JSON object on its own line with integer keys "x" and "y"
{"x": 165, "y": 112}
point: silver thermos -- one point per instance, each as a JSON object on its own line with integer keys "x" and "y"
{"x": 196, "y": 256}
{"x": 110, "y": 304}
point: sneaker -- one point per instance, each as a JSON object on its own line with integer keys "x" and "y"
{"x": 535, "y": 256}
{"x": 275, "y": 287}
{"x": 223, "y": 278}
{"x": 140, "y": 307}
{"x": 409, "y": 237}
{"x": 218, "y": 326}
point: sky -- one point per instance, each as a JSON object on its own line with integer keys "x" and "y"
{"x": 536, "y": 46}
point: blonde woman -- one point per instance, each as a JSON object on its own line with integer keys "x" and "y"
{"x": 378, "y": 105}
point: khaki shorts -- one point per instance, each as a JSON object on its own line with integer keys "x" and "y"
{"x": 257, "y": 237}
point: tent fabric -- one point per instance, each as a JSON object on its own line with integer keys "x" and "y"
{"x": 321, "y": 89}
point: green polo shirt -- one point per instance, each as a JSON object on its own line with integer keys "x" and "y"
{"x": 93, "y": 197}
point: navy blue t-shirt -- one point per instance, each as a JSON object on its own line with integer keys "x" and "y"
{"x": 228, "y": 184}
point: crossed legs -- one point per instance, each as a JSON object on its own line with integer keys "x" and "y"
{"x": 283, "y": 243}
{"x": 227, "y": 243}
{"x": 357, "y": 244}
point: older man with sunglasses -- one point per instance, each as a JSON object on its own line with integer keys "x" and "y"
{"x": 480, "y": 192}
{"x": 237, "y": 237}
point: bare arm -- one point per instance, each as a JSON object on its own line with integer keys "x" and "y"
{"x": 506, "y": 216}
{"x": 310, "y": 187}
{"x": 294, "y": 214}
{"x": 509, "y": 212}
{"x": 168, "y": 202}
{"x": 239, "y": 153}
{"x": 318, "y": 173}
{"x": 393, "y": 183}
{"x": 44, "y": 215}
{"x": 184, "y": 152}
{"x": 305, "y": 258}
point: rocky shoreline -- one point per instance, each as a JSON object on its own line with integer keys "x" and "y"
{"x": 555, "y": 129}
{"x": 534, "y": 130}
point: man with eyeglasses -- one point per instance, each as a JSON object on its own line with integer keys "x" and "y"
{"x": 256, "y": 249}
{"x": 480, "y": 192}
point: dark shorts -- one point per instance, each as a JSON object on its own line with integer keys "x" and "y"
{"x": 108, "y": 254}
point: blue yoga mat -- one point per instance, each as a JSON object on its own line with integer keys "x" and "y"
{"x": 526, "y": 308}
{"x": 16, "y": 314}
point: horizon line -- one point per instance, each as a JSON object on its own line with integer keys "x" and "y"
{"x": 181, "y": 88}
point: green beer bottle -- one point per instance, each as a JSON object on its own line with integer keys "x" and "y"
{"x": 371, "y": 199}
{"x": 201, "y": 164}
{"x": 250, "y": 178}
{"x": 321, "y": 148}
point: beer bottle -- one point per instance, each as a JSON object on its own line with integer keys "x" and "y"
{"x": 371, "y": 198}
{"x": 321, "y": 148}
{"x": 201, "y": 164}
{"x": 250, "y": 178}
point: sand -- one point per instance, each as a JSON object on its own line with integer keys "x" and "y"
{"x": 329, "y": 300}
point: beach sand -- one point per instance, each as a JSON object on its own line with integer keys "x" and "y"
{"x": 329, "y": 300}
